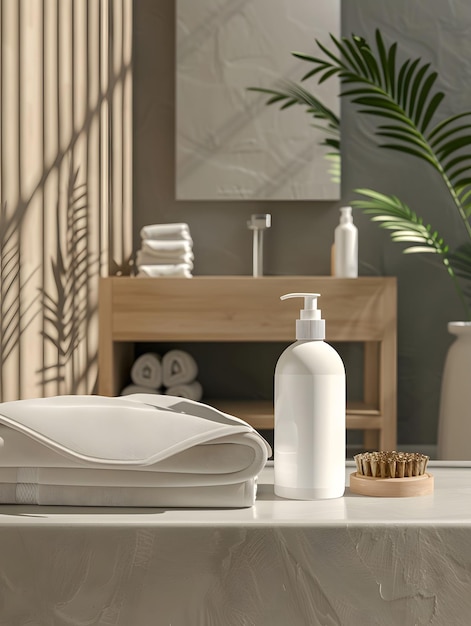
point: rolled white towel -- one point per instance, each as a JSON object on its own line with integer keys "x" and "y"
{"x": 170, "y": 248}
{"x": 156, "y": 271}
{"x": 142, "y": 258}
{"x": 130, "y": 389}
{"x": 166, "y": 231}
{"x": 147, "y": 370}
{"x": 178, "y": 367}
{"x": 190, "y": 391}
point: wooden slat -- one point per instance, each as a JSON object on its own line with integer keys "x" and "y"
{"x": 259, "y": 414}
{"x": 243, "y": 308}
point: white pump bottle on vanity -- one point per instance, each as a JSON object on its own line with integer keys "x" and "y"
{"x": 346, "y": 246}
{"x": 310, "y": 435}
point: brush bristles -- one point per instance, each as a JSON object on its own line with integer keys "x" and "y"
{"x": 391, "y": 464}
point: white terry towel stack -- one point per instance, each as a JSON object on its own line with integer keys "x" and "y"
{"x": 179, "y": 372}
{"x": 146, "y": 375}
{"x": 142, "y": 450}
{"x": 166, "y": 250}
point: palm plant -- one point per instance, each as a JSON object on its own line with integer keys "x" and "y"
{"x": 405, "y": 101}
{"x": 290, "y": 94}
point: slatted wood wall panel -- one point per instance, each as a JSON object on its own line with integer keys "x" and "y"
{"x": 65, "y": 185}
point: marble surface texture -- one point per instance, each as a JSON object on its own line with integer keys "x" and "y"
{"x": 355, "y": 560}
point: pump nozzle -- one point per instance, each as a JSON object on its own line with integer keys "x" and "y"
{"x": 346, "y": 215}
{"x": 310, "y": 325}
{"x": 310, "y": 311}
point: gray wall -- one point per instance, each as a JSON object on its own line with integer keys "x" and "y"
{"x": 300, "y": 238}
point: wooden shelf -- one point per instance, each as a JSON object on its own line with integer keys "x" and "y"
{"x": 259, "y": 413}
{"x": 243, "y": 308}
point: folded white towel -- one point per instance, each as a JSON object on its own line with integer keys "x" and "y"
{"x": 166, "y": 231}
{"x": 239, "y": 495}
{"x": 178, "y": 367}
{"x": 130, "y": 389}
{"x": 147, "y": 370}
{"x": 156, "y": 271}
{"x": 151, "y": 254}
{"x": 192, "y": 391}
{"x": 167, "y": 249}
{"x": 142, "y": 450}
{"x": 142, "y": 258}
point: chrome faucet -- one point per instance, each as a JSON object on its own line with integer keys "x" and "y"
{"x": 258, "y": 223}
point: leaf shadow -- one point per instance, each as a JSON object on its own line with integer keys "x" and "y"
{"x": 66, "y": 306}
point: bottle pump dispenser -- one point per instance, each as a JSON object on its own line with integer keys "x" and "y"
{"x": 310, "y": 325}
{"x": 310, "y": 436}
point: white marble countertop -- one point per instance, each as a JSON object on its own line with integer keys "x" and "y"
{"x": 355, "y": 561}
{"x": 450, "y": 504}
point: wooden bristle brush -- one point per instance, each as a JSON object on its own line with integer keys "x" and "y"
{"x": 391, "y": 474}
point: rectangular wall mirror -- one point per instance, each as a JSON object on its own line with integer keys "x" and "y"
{"x": 229, "y": 144}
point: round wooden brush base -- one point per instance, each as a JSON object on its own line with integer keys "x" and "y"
{"x": 391, "y": 487}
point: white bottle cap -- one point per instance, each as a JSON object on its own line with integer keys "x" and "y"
{"x": 310, "y": 325}
{"x": 346, "y": 215}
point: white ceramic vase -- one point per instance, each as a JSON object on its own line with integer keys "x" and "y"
{"x": 454, "y": 427}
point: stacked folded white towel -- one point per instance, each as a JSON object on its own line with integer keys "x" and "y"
{"x": 166, "y": 250}
{"x": 174, "y": 374}
{"x": 143, "y": 450}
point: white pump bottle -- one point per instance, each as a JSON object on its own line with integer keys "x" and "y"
{"x": 346, "y": 246}
{"x": 310, "y": 436}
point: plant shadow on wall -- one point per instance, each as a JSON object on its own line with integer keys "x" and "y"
{"x": 66, "y": 311}
{"x": 403, "y": 97}
{"x": 15, "y": 314}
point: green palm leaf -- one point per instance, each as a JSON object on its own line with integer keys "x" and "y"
{"x": 404, "y": 100}
{"x": 392, "y": 214}
{"x": 460, "y": 260}
{"x": 289, "y": 94}
{"x": 405, "y": 94}
{"x": 408, "y": 228}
